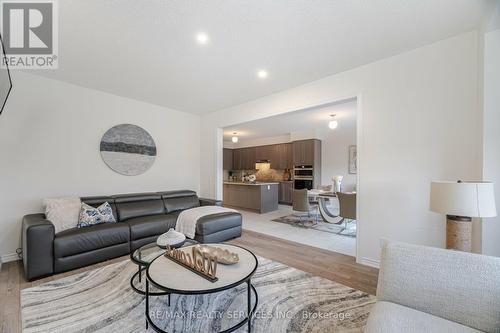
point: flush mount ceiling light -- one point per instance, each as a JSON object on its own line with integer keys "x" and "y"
{"x": 202, "y": 38}
{"x": 262, "y": 74}
{"x": 234, "y": 138}
{"x": 333, "y": 123}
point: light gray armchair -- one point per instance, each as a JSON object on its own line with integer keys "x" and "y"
{"x": 426, "y": 289}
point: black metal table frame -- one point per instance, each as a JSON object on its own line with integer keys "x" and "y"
{"x": 247, "y": 280}
{"x": 142, "y": 267}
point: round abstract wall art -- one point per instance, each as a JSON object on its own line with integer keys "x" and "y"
{"x": 128, "y": 149}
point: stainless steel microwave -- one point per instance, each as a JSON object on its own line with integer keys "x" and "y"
{"x": 303, "y": 171}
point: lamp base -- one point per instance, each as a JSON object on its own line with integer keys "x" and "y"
{"x": 459, "y": 233}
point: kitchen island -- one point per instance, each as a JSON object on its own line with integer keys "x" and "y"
{"x": 261, "y": 197}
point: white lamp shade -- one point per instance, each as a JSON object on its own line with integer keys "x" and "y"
{"x": 470, "y": 199}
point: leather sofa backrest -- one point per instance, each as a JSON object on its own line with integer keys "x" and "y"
{"x": 139, "y": 204}
{"x": 179, "y": 200}
{"x": 99, "y": 200}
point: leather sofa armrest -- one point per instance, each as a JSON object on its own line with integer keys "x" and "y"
{"x": 38, "y": 246}
{"x": 210, "y": 202}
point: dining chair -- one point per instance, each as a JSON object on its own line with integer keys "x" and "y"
{"x": 300, "y": 203}
{"x": 347, "y": 204}
{"x": 314, "y": 200}
{"x": 347, "y": 209}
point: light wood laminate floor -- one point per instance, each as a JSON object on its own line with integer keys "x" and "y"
{"x": 333, "y": 266}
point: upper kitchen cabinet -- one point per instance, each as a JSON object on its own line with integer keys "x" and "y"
{"x": 227, "y": 155}
{"x": 307, "y": 152}
{"x": 269, "y": 152}
{"x": 244, "y": 158}
{"x": 249, "y": 157}
{"x": 285, "y": 156}
{"x": 279, "y": 155}
{"x": 237, "y": 159}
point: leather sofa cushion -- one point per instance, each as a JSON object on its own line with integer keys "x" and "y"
{"x": 75, "y": 240}
{"x": 213, "y": 223}
{"x": 177, "y": 194}
{"x": 135, "y": 244}
{"x": 119, "y": 198}
{"x": 99, "y": 200}
{"x": 154, "y": 225}
{"x": 136, "y": 205}
{"x": 89, "y": 258}
{"x": 173, "y": 204}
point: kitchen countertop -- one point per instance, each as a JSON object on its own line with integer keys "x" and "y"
{"x": 251, "y": 184}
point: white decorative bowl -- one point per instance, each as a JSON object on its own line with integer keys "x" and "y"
{"x": 171, "y": 238}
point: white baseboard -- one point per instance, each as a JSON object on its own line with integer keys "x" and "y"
{"x": 9, "y": 257}
{"x": 369, "y": 262}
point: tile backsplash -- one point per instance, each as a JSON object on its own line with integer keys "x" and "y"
{"x": 269, "y": 175}
{"x": 262, "y": 175}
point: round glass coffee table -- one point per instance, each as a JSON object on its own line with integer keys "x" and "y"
{"x": 172, "y": 278}
{"x": 143, "y": 256}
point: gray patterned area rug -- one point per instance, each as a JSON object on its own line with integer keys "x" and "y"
{"x": 315, "y": 221}
{"x": 102, "y": 300}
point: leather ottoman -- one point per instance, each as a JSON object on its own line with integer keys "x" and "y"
{"x": 216, "y": 228}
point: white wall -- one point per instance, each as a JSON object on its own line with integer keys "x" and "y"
{"x": 491, "y": 136}
{"x": 420, "y": 122}
{"x": 335, "y": 157}
{"x": 49, "y": 142}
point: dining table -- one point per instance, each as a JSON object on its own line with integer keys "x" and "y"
{"x": 320, "y": 193}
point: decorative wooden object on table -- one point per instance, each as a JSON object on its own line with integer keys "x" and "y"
{"x": 461, "y": 201}
{"x": 198, "y": 262}
{"x": 223, "y": 256}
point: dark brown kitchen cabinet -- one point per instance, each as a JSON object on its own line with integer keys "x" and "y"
{"x": 268, "y": 152}
{"x": 284, "y": 156}
{"x": 307, "y": 152}
{"x": 244, "y": 158}
{"x": 279, "y": 155}
{"x": 227, "y": 155}
{"x": 289, "y": 155}
{"x": 285, "y": 193}
{"x": 237, "y": 159}
{"x": 248, "y": 158}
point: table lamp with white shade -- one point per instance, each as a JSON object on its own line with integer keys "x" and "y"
{"x": 460, "y": 201}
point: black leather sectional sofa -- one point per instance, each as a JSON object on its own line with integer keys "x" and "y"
{"x": 140, "y": 217}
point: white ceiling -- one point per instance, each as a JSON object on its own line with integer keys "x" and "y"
{"x": 312, "y": 119}
{"x": 146, "y": 49}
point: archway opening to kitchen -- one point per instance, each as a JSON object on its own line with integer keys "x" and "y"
{"x": 294, "y": 175}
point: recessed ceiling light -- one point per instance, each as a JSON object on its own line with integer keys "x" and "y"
{"x": 262, "y": 74}
{"x": 202, "y": 38}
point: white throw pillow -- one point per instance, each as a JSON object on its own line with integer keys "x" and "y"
{"x": 63, "y": 212}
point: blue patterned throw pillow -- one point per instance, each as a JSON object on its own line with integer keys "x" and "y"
{"x": 92, "y": 216}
